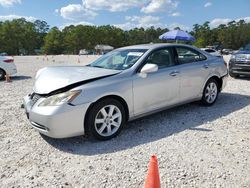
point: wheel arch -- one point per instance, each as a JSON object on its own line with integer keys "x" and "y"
{"x": 116, "y": 97}
{"x": 217, "y": 78}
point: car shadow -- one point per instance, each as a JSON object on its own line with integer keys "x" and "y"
{"x": 155, "y": 127}
{"x": 20, "y": 77}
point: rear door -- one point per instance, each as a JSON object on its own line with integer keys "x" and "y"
{"x": 194, "y": 70}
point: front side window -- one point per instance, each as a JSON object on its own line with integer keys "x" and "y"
{"x": 119, "y": 59}
{"x": 188, "y": 55}
{"x": 162, "y": 58}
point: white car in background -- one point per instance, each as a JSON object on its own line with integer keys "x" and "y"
{"x": 7, "y": 66}
{"x": 212, "y": 52}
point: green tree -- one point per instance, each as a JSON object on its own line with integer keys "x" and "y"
{"x": 53, "y": 42}
{"x": 42, "y": 29}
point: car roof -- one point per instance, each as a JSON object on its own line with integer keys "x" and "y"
{"x": 207, "y": 49}
{"x": 154, "y": 46}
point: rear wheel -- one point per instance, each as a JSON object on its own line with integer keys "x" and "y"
{"x": 2, "y": 74}
{"x": 106, "y": 119}
{"x": 210, "y": 92}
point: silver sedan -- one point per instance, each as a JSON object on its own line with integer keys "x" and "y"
{"x": 125, "y": 84}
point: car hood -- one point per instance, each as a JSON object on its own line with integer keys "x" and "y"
{"x": 242, "y": 52}
{"x": 50, "y": 79}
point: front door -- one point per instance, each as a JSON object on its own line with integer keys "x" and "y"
{"x": 158, "y": 89}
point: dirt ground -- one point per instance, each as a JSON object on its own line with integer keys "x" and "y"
{"x": 196, "y": 146}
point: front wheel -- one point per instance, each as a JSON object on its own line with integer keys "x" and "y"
{"x": 106, "y": 119}
{"x": 210, "y": 92}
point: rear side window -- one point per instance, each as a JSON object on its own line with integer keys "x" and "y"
{"x": 188, "y": 55}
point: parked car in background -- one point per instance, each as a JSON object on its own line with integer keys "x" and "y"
{"x": 226, "y": 51}
{"x": 239, "y": 63}
{"x": 3, "y": 54}
{"x": 83, "y": 52}
{"x": 212, "y": 52}
{"x": 7, "y": 66}
{"x": 125, "y": 84}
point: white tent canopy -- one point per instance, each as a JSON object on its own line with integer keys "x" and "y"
{"x": 104, "y": 47}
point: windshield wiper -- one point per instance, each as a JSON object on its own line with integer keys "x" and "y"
{"x": 97, "y": 66}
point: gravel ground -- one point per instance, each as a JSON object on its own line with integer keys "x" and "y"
{"x": 196, "y": 146}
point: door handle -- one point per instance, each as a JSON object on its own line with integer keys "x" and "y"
{"x": 174, "y": 73}
{"x": 206, "y": 66}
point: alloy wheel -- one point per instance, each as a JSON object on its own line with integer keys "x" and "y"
{"x": 211, "y": 92}
{"x": 108, "y": 120}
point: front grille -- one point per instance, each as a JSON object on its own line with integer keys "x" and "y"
{"x": 243, "y": 63}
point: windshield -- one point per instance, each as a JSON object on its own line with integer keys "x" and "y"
{"x": 119, "y": 59}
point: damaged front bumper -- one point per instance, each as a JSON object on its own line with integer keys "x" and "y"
{"x": 55, "y": 121}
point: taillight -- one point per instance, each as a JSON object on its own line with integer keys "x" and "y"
{"x": 8, "y": 60}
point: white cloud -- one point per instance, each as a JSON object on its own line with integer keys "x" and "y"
{"x": 75, "y": 24}
{"x": 176, "y": 14}
{"x": 126, "y": 26}
{"x": 246, "y": 19}
{"x": 208, "y": 4}
{"x": 88, "y": 7}
{"x": 113, "y": 5}
{"x": 76, "y": 12}
{"x": 218, "y": 21}
{"x": 160, "y": 6}
{"x": 12, "y": 17}
{"x": 144, "y": 20}
{"x": 8, "y": 3}
{"x": 140, "y": 21}
{"x": 148, "y": 21}
{"x": 181, "y": 26}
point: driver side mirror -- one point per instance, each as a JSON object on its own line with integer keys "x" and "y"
{"x": 148, "y": 68}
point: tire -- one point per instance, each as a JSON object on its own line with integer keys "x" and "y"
{"x": 106, "y": 119}
{"x": 2, "y": 74}
{"x": 210, "y": 92}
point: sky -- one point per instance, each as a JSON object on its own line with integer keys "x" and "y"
{"x": 127, "y": 14}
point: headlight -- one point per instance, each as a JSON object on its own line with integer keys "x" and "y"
{"x": 60, "y": 99}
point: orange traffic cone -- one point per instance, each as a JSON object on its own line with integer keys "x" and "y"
{"x": 153, "y": 178}
{"x": 7, "y": 77}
